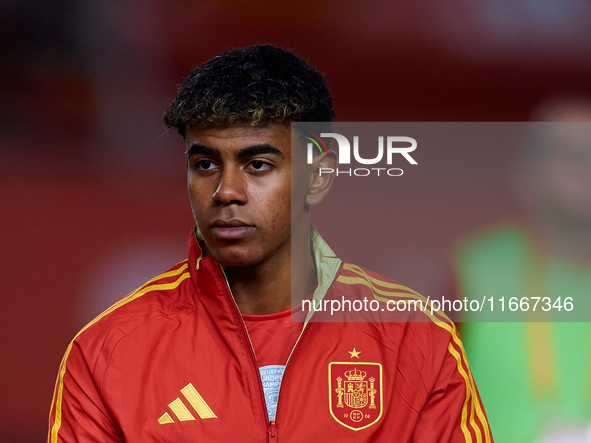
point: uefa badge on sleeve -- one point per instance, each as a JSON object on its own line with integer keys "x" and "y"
{"x": 355, "y": 393}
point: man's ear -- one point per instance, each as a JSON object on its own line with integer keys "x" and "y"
{"x": 323, "y": 172}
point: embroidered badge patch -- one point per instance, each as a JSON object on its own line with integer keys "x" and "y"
{"x": 355, "y": 393}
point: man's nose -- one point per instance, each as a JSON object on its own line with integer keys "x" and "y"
{"x": 231, "y": 188}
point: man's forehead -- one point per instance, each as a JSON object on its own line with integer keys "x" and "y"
{"x": 239, "y": 135}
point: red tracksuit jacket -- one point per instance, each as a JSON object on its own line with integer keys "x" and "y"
{"x": 172, "y": 362}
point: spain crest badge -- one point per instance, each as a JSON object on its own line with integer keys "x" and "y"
{"x": 355, "y": 393}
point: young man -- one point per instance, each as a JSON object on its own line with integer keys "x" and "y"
{"x": 207, "y": 351}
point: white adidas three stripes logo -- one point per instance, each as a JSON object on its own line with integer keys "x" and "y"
{"x": 182, "y": 412}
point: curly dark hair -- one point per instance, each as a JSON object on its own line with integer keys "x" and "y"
{"x": 255, "y": 85}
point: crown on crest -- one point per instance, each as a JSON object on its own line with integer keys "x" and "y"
{"x": 355, "y": 375}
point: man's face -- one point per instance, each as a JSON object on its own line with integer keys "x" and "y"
{"x": 239, "y": 180}
{"x": 567, "y": 172}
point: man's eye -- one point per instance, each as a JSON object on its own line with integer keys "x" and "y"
{"x": 205, "y": 165}
{"x": 259, "y": 165}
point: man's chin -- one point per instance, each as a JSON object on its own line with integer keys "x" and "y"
{"x": 236, "y": 260}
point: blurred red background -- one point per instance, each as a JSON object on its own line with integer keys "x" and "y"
{"x": 92, "y": 186}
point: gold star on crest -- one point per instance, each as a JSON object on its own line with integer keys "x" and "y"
{"x": 354, "y": 353}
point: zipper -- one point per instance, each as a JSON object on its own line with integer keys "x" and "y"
{"x": 272, "y": 429}
{"x": 273, "y": 423}
{"x": 270, "y": 425}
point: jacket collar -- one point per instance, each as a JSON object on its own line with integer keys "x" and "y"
{"x": 207, "y": 275}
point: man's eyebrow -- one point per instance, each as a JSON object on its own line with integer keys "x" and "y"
{"x": 249, "y": 151}
{"x": 196, "y": 148}
{"x": 263, "y": 148}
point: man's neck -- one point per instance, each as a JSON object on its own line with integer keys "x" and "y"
{"x": 268, "y": 288}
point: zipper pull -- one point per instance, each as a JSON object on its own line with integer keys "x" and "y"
{"x": 272, "y": 429}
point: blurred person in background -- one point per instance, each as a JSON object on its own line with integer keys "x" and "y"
{"x": 535, "y": 377}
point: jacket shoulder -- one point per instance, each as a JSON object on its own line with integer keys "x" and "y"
{"x": 164, "y": 295}
{"x": 359, "y": 282}
{"x": 391, "y": 304}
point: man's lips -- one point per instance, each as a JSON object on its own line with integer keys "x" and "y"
{"x": 233, "y": 229}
